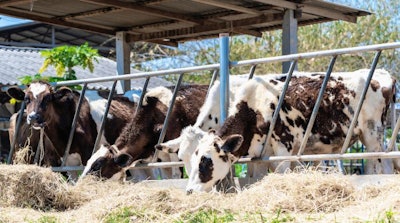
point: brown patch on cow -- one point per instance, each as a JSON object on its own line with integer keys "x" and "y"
{"x": 302, "y": 95}
{"x": 340, "y": 78}
{"x": 274, "y": 82}
{"x": 244, "y": 123}
{"x": 375, "y": 85}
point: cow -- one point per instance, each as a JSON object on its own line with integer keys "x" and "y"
{"x": 136, "y": 142}
{"x": 244, "y": 131}
{"x": 52, "y": 110}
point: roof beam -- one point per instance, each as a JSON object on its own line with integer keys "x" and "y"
{"x": 206, "y": 29}
{"x": 56, "y": 21}
{"x": 229, "y": 6}
{"x": 13, "y": 2}
{"x": 311, "y": 10}
{"x": 146, "y": 10}
{"x": 89, "y": 13}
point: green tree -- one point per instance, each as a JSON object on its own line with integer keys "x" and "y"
{"x": 380, "y": 27}
{"x": 64, "y": 58}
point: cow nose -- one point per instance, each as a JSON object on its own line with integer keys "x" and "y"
{"x": 189, "y": 192}
{"x": 33, "y": 117}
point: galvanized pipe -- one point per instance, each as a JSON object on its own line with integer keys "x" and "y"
{"x": 73, "y": 125}
{"x": 224, "y": 76}
{"x": 360, "y": 103}
{"x": 17, "y": 129}
{"x": 167, "y": 116}
{"x": 252, "y": 70}
{"x": 140, "y": 103}
{"x": 352, "y": 50}
{"x": 279, "y": 106}
{"x": 316, "y": 106}
{"x": 103, "y": 121}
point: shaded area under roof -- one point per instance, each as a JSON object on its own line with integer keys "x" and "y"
{"x": 42, "y": 35}
{"x": 172, "y": 21}
{"x": 17, "y": 62}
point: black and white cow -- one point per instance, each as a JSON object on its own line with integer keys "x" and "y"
{"x": 245, "y": 130}
{"x": 139, "y": 137}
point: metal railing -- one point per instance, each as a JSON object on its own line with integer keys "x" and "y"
{"x": 293, "y": 58}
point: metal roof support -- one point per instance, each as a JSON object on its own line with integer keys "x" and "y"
{"x": 224, "y": 74}
{"x": 122, "y": 49}
{"x": 289, "y": 36}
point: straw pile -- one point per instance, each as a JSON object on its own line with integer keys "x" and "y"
{"x": 310, "y": 196}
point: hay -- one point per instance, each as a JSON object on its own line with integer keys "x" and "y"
{"x": 324, "y": 197}
{"x": 35, "y": 187}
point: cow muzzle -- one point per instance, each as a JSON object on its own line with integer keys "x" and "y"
{"x": 35, "y": 121}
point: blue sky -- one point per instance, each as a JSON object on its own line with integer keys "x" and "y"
{"x": 7, "y": 21}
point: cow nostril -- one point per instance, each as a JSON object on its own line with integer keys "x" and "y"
{"x": 158, "y": 147}
{"x": 189, "y": 192}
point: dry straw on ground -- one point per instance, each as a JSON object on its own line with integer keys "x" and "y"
{"x": 29, "y": 193}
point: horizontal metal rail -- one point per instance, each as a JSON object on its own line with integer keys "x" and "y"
{"x": 352, "y": 50}
{"x": 316, "y": 157}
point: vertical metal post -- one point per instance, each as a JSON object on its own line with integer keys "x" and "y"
{"x": 16, "y": 132}
{"x": 252, "y": 70}
{"x": 103, "y": 121}
{"x": 279, "y": 105}
{"x": 73, "y": 125}
{"x": 316, "y": 106}
{"x": 140, "y": 103}
{"x": 122, "y": 49}
{"x": 224, "y": 75}
{"x": 167, "y": 116}
{"x": 213, "y": 78}
{"x": 289, "y": 36}
{"x": 360, "y": 103}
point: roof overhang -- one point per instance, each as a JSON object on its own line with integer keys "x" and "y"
{"x": 172, "y": 21}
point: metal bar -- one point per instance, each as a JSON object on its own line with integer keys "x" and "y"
{"x": 278, "y": 106}
{"x": 167, "y": 116}
{"x": 140, "y": 103}
{"x": 252, "y": 70}
{"x": 351, "y": 50}
{"x": 16, "y": 132}
{"x": 103, "y": 121}
{"x": 224, "y": 75}
{"x": 394, "y": 135}
{"x": 318, "y": 157}
{"x": 213, "y": 78}
{"x": 316, "y": 106}
{"x": 360, "y": 103}
{"x": 73, "y": 125}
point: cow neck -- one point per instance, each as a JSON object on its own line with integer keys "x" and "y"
{"x": 244, "y": 123}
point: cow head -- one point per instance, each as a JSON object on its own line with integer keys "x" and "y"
{"x": 39, "y": 98}
{"x": 115, "y": 161}
{"x": 212, "y": 160}
{"x": 184, "y": 145}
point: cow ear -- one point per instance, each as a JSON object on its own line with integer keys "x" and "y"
{"x": 61, "y": 92}
{"x": 16, "y": 92}
{"x": 232, "y": 143}
{"x": 123, "y": 160}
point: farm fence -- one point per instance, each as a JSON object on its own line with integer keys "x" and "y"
{"x": 214, "y": 68}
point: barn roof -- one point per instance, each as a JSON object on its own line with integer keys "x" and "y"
{"x": 172, "y": 21}
{"x": 17, "y": 62}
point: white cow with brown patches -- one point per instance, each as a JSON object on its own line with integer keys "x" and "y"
{"x": 251, "y": 114}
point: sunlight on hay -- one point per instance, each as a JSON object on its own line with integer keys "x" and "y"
{"x": 300, "y": 194}
{"x": 35, "y": 187}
